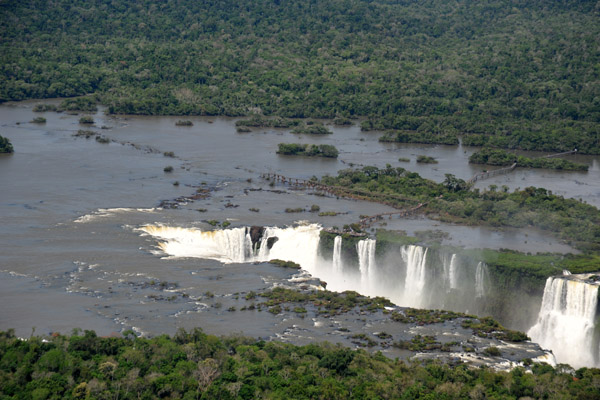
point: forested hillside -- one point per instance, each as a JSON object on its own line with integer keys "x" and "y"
{"x": 510, "y": 74}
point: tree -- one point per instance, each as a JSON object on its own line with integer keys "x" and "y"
{"x": 5, "y": 145}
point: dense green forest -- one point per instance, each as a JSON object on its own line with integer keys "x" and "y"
{"x": 503, "y": 73}
{"x": 455, "y": 201}
{"x": 195, "y": 365}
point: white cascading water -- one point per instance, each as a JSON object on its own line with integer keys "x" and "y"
{"x": 298, "y": 244}
{"x": 415, "y": 258}
{"x": 453, "y": 272}
{"x": 366, "y": 258}
{"x": 480, "y": 279}
{"x": 227, "y": 246}
{"x": 566, "y": 321}
{"x": 337, "y": 254}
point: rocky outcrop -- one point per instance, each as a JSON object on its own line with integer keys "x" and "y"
{"x": 256, "y": 234}
{"x": 271, "y": 241}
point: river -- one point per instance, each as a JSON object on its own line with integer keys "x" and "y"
{"x": 72, "y": 254}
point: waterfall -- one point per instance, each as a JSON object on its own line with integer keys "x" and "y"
{"x": 337, "y": 254}
{"x": 453, "y": 273}
{"x": 298, "y": 244}
{"x": 366, "y": 257}
{"x": 415, "y": 258}
{"x": 566, "y": 321}
{"x": 480, "y": 279}
{"x": 231, "y": 245}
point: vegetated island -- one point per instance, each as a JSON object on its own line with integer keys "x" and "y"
{"x": 500, "y": 157}
{"x": 309, "y": 150}
{"x": 422, "y": 159}
{"x": 5, "y": 145}
{"x": 406, "y": 66}
{"x": 311, "y": 128}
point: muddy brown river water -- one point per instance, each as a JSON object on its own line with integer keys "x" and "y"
{"x": 71, "y": 255}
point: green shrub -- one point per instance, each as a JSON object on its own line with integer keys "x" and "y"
{"x": 5, "y": 145}
{"x": 310, "y": 150}
{"x": 44, "y": 107}
{"x": 426, "y": 160}
{"x": 294, "y": 210}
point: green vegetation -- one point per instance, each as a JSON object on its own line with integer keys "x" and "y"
{"x": 309, "y": 150}
{"x": 5, "y": 145}
{"x": 86, "y": 120}
{"x": 102, "y": 139}
{"x": 86, "y": 104}
{"x": 488, "y": 327}
{"x": 85, "y": 133}
{"x": 91, "y": 134}
{"x": 362, "y": 340}
{"x": 39, "y": 120}
{"x": 414, "y": 315}
{"x": 492, "y": 351}
{"x": 419, "y": 343}
{"x": 426, "y": 160}
{"x": 44, "y": 107}
{"x": 408, "y": 66}
{"x": 258, "y": 121}
{"x": 168, "y": 169}
{"x": 285, "y": 264}
{"x": 328, "y": 213}
{"x": 414, "y": 137}
{"x": 312, "y": 129}
{"x": 194, "y": 365}
{"x": 294, "y": 210}
{"x": 341, "y": 121}
{"x": 184, "y": 123}
{"x": 332, "y": 303}
{"x": 501, "y": 157}
{"x": 453, "y": 201}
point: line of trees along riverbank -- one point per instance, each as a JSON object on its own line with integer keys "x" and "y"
{"x": 505, "y": 74}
